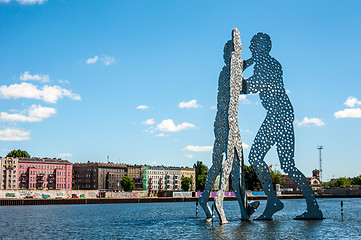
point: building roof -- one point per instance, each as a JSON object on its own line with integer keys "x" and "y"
{"x": 95, "y": 164}
{"x": 44, "y": 160}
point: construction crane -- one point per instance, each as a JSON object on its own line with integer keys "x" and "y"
{"x": 320, "y": 149}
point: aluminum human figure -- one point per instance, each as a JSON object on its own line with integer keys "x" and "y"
{"x": 227, "y": 136}
{"x": 276, "y": 129}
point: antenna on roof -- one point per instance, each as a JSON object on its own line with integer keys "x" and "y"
{"x": 108, "y": 158}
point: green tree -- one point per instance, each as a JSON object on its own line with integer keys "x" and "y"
{"x": 186, "y": 183}
{"x": 343, "y": 182}
{"x": 201, "y": 175}
{"x": 277, "y": 178}
{"x": 356, "y": 181}
{"x": 127, "y": 183}
{"x": 201, "y": 169}
{"x": 201, "y": 181}
{"x": 18, "y": 153}
{"x": 251, "y": 179}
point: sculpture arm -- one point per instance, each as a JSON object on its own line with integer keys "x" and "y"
{"x": 249, "y": 86}
{"x": 247, "y": 63}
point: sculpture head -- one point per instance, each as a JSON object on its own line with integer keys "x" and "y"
{"x": 260, "y": 45}
{"x": 227, "y": 52}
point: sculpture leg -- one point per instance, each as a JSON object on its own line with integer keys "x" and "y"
{"x": 239, "y": 186}
{"x": 211, "y": 177}
{"x": 261, "y": 145}
{"x": 285, "y": 150}
{"x": 226, "y": 170}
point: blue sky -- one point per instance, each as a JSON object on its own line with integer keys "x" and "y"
{"x": 137, "y": 80}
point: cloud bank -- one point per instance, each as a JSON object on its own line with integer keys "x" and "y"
{"x": 36, "y": 113}
{"x": 191, "y": 104}
{"x": 192, "y": 148}
{"x": 352, "y": 112}
{"x": 14, "y": 134}
{"x": 142, "y": 107}
{"x": 149, "y": 121}
{"x": 169, "y": 126}
{"x": 106, "y": 60}
{"x": 348, "y": 113}
{"x": 26, "y": 76}
{"x": 26, "y": 2}
{"x": 309, "y": 122}
{"x": 50, "y": 94}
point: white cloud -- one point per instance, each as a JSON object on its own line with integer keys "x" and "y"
{"x": 310, "y": 121}
{"x": 288, "y": 91}
{"x": 191, "y": 104}
{"x": 169, "y": 126}
{"x": 106, "y": 60}
{"x": 36, "y": 113}
{"x": 64, "y": 155}
{"x": 245, "y": 145}
{"x": 161, "y": 135}
{"x": 142, "y": 107}
{"x": 246, "y": 131}
{"x": 243, "y": 99}
{"x": 47, "y": 93}
{"x": 348, "y": 113}
{"x": 26, "y": 76}
{"x": 213, "y": 107}
{"x": 14, "y": 134}
{"x": 30, "y": 2}
{"x": 192, "y": 148}
{"x": 63, "y": 81}
{"x": 187, "y": 155}
{"x": 149, "y": 121}
{"x": 352, "y": 102}
{"x": 92, "y": 60}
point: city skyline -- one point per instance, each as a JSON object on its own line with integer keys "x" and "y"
{"x": 137, "y": 81}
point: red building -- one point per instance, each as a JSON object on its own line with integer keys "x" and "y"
{"x": 44, "y": 173}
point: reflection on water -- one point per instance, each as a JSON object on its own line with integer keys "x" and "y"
{"x": 175, "y": 221}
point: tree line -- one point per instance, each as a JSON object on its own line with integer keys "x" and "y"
{"x": 344, "y": 182}
{"x": 251, "y": 180}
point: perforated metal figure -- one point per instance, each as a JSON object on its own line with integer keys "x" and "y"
{"x": 276, "y": 129}
{"x": 227, "y": 136}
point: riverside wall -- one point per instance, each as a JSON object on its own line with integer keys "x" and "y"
{"x": 54, "y": 197}
{"x": 66, "y": 194}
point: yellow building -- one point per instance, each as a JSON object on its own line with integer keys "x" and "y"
{"x": 191, "y": 173}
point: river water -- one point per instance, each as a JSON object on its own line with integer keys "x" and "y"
{"x": 175, "y": 221}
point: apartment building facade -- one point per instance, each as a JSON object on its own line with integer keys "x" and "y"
{"x": 105, "y": 176}
{"x": 9, "y": 173}
{"x": 35, "y": 173}
{"x": 190, "y": 173}
{"x": 161, "y": 178}
{"x": 136, "y": 173}
{"x": 172, "y": 178}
